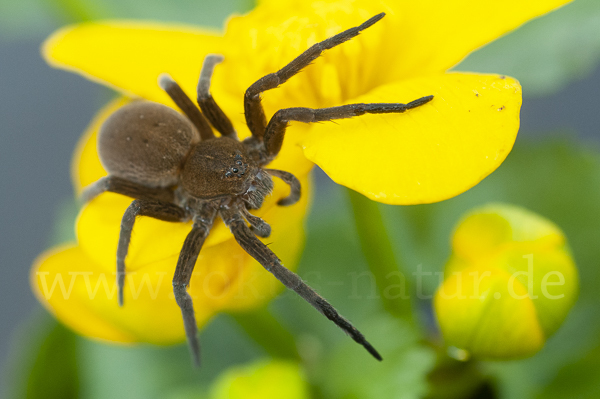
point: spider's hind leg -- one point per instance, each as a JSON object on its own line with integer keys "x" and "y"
{"x": 291, "y": 280}
{"x": 156, "y": 209}
{"x": 183, "y": 274}
{"x": 125, "y": 187}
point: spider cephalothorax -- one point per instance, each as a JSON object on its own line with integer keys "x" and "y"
{"x": 178, "y": 170}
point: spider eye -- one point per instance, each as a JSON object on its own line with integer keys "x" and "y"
{"x": 239, "y": 163}
{"x": 228, "y": 174}
{"x": 235, "y": 170}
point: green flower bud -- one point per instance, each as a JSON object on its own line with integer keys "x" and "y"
{"x": 267, "y": 379}
{"x": 509, "y": 283}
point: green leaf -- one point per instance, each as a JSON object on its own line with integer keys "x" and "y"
{"x": 141, "y": 371}
{"x": 45, "y": 360}
{"x": 147, "y": 371}
{"x": 401, "y": 375}
{"x": 576, "y": 380}
{"x": 266, "y": 331}
{"x": 548, "y": 53}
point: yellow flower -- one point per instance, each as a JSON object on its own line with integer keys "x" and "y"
{"x": 429, "y": 154}
{"x": 509, "y": 283}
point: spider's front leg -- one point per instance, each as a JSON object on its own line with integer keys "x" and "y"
{"x": 140, "y": 207}
{"x": 259, "y": 226}
{"x": 186, "y": 105}
{"x": 253, "y": 110}
{"x": 207, "y": 103}
{"x": 183, "y": 273}
{"x": 292, "y": 181}
{"x": 275, "y": 131}
{"x": 259, "y": 251}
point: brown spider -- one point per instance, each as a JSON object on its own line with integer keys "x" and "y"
{"x": 177, "y": 170}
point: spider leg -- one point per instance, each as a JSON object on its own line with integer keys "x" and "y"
{"x": 273, "y": 138}
{"x": 141, "y": 207}
{"x": 258, "y": 226}
{"x": 183, "y": 273}
{"x": 186, "y": 105}
{"x": 291, "y": 280}
{"x": 292, "y": 181}
{"x": 206, "y": 101}
{"x": 253, "y": 110}
{"x": 125, "y": 187}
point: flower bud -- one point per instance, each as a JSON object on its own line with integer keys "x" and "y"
{"x": 508, "y": 285}
{"x": 264, "y": 380}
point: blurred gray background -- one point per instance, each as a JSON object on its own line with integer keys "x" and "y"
{"x": 43, "y": 112}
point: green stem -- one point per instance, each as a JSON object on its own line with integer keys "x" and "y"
{"x": 420, "y": 219}
{"x": 265, "y": 330}
{"x": 454, "y": 379}
{"x": 379, "y": 253}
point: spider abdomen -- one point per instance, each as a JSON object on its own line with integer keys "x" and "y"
{"x": 146, "y": 143}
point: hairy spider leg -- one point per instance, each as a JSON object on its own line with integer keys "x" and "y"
{"x": 122, "y": 186}
{"x": 292, "y": 181}
{"x": 186, "y": 105}
{"x": 258, "y": 226}
{"x": 140, "y": 207}
{"x": 207, "y": 104}
{"x": 273, "y": 138}
{"x": 253, "y": 110}
{"x": 183, "y": 273}
{"x": 291, "y": 280}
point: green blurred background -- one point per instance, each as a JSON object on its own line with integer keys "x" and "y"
{"x": 553, "y": 170}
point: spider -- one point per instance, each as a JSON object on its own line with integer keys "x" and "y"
{"x": 177, "y": 170}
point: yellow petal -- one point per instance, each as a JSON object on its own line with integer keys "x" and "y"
{"x": 83, "y": 296}
{"x": 429, "y": 153}
{"x": 550, "y": 277}
{"x": 415, "y": 38}
{"x": 434, "y": 35}
{"x": 496, "y": 227}
{"x": 273, "y": 34}
{"x": 129, "y": 56}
